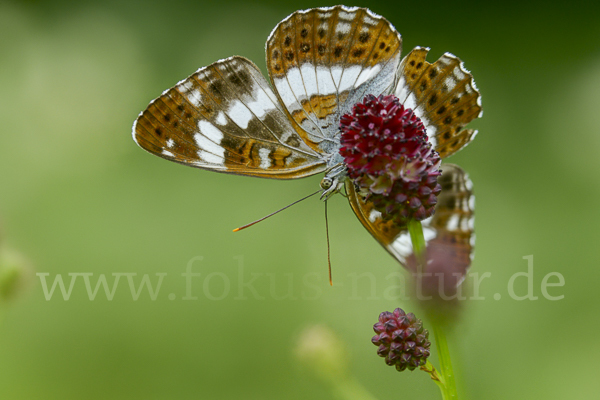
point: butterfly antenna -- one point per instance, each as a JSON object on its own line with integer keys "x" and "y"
{"x": 270, "y": 215}
{"x": 328, "y": 249}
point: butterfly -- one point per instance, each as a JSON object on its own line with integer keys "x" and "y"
{"x": 227, "y": 118}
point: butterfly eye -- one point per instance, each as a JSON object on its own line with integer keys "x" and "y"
{"x": 326, "y": 183}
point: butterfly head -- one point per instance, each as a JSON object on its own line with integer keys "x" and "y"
{"x": 333, "y": 181}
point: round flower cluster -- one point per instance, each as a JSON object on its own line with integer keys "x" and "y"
{"x": 401, "y": 340}
{"x": 389, "y": 157}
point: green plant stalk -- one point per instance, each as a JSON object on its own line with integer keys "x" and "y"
{"x": 446, "y": 381}
{"x": 430, "y": 369}
{"x": 415, "y": 229}
{"x": 449, "y": 392}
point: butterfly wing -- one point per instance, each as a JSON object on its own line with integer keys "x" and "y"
{"x": 448, "y": 233}
{"x": 443, "y": 95}
{"x": 226, "y": 118}
{"x": 322, "y": 61}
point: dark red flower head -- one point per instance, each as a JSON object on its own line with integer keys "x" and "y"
{"x": 389, "y": 157}
{"x": 401, "y": 340}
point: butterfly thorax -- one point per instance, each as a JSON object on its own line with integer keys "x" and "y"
{"x": 335, "y": 177}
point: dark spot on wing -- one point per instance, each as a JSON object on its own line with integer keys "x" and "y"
{"x": 304, "y": 32}
{"x": 216, "y": 87}
{"x": 251, "y": 152}
{"x": 293, "y": 141}
{"x": 364, "y": 37}
{"x": 243, "y": 74}
{"x": 236, "y": 80}
{"x": 358, "y": 52}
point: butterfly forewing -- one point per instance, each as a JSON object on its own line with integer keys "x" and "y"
{"x": 322, "y": 61}
{"x": 449, "y": 233}
{"x": 226, "y": 118}
{"x": 443, "y": 95}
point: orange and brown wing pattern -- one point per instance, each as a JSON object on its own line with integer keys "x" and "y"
{"x": 448, "y": 233}
{"x": 322, "y": 61}
{"x": 226, "y": 118}
{"x": 443, "y": 95}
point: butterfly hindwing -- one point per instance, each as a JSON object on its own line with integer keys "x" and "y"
{"x": 226, "y": 118}
{"x": 322, "y": 61}
{"x": 448, "y": 233}
{"x": 443, "y": 95}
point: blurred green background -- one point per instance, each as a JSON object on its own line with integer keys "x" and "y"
{"x": 78, "y": 196}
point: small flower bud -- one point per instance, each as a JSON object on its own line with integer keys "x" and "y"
{"x": 403, "y": 341}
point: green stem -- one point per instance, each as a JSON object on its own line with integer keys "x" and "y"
{"x": 446, "y": 381}
{"x": 445, "y": 363}
{"x": 430, "y": 369}
{"x": 415, "y": 229}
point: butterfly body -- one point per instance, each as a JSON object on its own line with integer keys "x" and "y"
{"x": 227, "y": 118}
